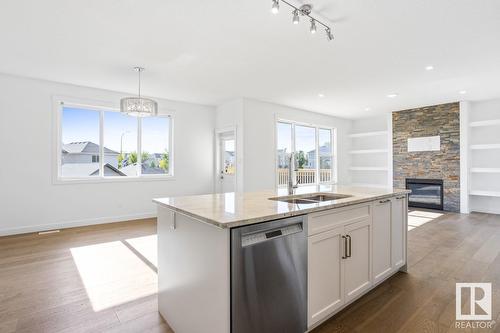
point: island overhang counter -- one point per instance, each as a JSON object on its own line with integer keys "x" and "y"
{"x": 350, "y": 245}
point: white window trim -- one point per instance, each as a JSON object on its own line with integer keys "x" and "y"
{"x": 101, "y": 106}
{"x": 333, "y": 138}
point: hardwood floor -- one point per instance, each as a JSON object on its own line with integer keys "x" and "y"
{"x": 90, "y": 279}
{"x": 442, "y": 250}
{"x": 86, "y": 279}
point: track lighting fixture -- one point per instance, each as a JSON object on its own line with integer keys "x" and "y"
{"x": 275, "y": 7}
{"x": 329, "y": 34}
{"x": 296, "y": 18}
{"x": 304, "y": 10}
{"x": 313, "y": 26}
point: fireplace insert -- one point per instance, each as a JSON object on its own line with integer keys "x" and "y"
{"x": 425, "y": 193}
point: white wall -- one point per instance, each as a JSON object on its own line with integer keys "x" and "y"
{"x": 259, "y": 119}
{"x": 29, "y": 201}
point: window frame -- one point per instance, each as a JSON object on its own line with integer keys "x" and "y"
{"x": 100, "y": 106}
{"x": 333, "y": 139}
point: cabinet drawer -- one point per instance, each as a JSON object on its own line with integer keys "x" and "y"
{"x": 329, "y": 219}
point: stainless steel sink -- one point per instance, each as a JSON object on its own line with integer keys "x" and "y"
{"x": 310, "y": 198}
{"x": 294, "y": 201}
{"x": 326, "y": 197}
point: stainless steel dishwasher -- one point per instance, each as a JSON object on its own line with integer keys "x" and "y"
{"x": 269, "y": 277}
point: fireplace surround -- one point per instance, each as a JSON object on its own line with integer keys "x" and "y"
{"x": 425, "y": 193}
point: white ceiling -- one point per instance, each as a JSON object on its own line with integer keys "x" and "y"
{"x": 212, "y": 51}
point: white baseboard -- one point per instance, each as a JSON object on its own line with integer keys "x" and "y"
{"x": 485, "y": 211}
{"x": 72, "y": 224}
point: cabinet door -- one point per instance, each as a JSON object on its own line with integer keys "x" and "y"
{"x": 399, "y": 215}
{"x": 325, "y": 269}
{"x": 357, "y": 265}
{"x": 382, "y": 253}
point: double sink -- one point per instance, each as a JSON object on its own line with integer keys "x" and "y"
{"x": 311, "y": 198}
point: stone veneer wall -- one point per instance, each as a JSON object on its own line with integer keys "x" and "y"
{"x": 442, "y": 120}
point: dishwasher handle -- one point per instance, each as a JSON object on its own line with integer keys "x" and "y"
{"x": 270, "y": 234}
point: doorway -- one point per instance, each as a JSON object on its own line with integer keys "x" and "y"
{"x": 226, "y": 161}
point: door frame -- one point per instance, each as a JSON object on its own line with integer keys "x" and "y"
{"x": 218, "y": 166}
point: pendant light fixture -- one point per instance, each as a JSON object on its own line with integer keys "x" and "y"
{"x": 139, "y": 106}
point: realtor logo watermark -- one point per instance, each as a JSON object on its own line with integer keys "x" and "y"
{"x": 477, "y": 312}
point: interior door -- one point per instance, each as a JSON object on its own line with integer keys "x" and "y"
{"x": 226, "y": 171}
{"x": 325, "y": 272}
{"x": 357, "y": 274}
{"x": 382, "y": 229}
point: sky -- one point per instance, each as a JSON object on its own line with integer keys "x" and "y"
{"x": 83, "y": 125}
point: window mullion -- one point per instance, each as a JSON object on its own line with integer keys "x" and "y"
{"x": 139, "y": 146}
{"x": 318, "y": 181}
{"x": 101, "y": 144}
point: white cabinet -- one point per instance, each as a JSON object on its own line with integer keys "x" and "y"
{"x": 325, "y": 283}
{"x": 339, "y": 259}
{"x": 399, "y": 215}
{"x": 352, "y": 249}
{"x": 382, "y": 230}
{"x": 358, "y": 262}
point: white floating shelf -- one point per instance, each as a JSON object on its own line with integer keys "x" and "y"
{"x": 485, "y": 170}
{"x": 368, "y": 151}
{"x": 485, "y": 193}
{"x": 368, "y": 169}
{"x": 368, "y": 134}
{"x": 487, "y": 146}
{"x": 485, "y": 123}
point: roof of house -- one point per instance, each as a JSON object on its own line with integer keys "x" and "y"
{"x": 85, "y": 147}
{"x": 73, "y": 170}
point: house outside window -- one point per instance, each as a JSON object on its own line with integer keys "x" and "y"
{"x": 314, "y": 148}
{"x": 100, "y": 143}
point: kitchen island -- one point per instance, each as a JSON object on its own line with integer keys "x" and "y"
{"x": 266, "y": 261}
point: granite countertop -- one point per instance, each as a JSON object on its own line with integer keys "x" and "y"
{"x": 228, "y": 210}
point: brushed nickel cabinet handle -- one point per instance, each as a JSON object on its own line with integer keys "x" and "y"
{"x": 401, "y": 198}
{"x": 350, "y": 247}
{"x": 344, "y": 239}
{"x": 384, "y": 201}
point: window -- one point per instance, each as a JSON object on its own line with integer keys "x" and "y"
{"x": 314, "y": 153}
{"x": 131, "y": 147}
{"x": 229, "y": 157}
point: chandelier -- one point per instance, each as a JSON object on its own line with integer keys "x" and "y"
{"x": 139, "y": 106}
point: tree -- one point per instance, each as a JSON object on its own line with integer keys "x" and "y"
{"x": 164, "y": 161}
{"x": 301, "y": 159}
{"x": 144, "y": 156}
{"x": 120, "y": 160}
{"x": 132, "y": 158}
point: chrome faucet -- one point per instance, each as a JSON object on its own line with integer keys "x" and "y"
{"x": 292, "y": 169}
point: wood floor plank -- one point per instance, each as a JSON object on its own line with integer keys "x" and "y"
{"x": 44, "y": 287}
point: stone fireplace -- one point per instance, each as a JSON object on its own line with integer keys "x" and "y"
{"x": 434, "y": 153}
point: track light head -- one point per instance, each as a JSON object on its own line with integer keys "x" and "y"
{"x": 313, "y": 28}
{"x": 329, "y": 34}
{"x": 296, "y": 18}
{"x": 275, "y": 7}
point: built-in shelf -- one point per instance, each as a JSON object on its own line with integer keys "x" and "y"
{"x": 485, "y": 193}
{"x": 486, "y": 146}
{"x": 368, "y": 134}
{"x": 368, "y": 169}
{"x": 485, "y": 170}
{"x": 484, "y": 123}
{"x": 369, "y": 151}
